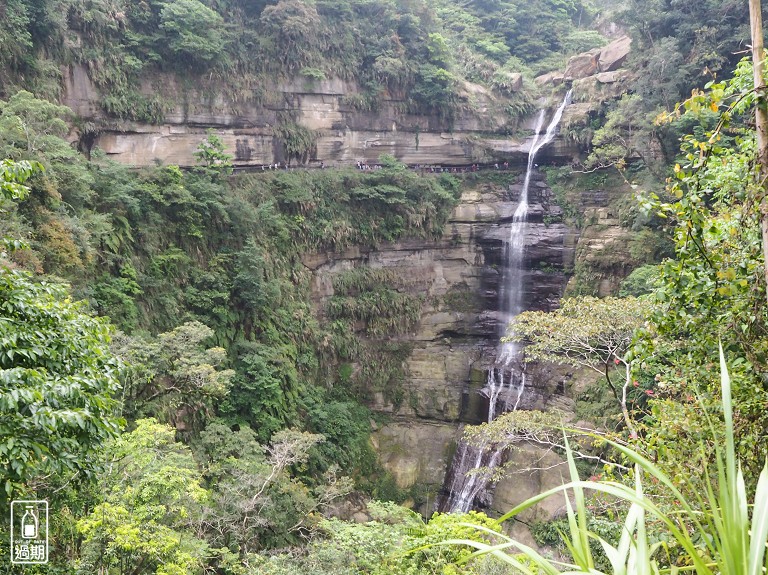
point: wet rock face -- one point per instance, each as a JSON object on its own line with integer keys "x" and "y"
{"x": 605, "y": 59}
{"x": 548, "y": 253}
{"x": 455, "y": 341}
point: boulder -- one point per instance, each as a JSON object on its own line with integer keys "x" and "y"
{"x": 613, "y": 55}
{"x": 554, "y": 78}
{"x": 605, "y": 59}
{"x": 611, "y": 77}
{"x": 514, "y": 81}
{"x": 583, "y": 65}
{"x": 600, "y": 87}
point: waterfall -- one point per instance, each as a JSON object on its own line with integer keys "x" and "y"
{"x": 505, "y": 385}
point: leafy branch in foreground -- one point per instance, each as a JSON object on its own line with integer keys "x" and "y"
{"x": 588, "y": 332}
{"x": 57, "y": 382}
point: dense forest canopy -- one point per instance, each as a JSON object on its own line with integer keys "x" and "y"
{"x": 168, "y": 380}
{"x": 418, "y": 49}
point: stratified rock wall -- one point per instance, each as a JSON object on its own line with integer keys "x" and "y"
{"x": 456, "y": 337}
{"x": 345, "y": 135}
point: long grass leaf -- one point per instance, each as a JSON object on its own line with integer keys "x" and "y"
{"x": 642, "y": 556}
{"x": 487, "y": 549}
{"x": 579, "y": 530}
{"x": 759, "y": 525}
{"x": 545, "y": 564}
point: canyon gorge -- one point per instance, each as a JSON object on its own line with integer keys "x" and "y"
{"x": 448, "y": 355}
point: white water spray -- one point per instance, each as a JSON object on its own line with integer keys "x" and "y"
{"x": 505, "y": 385}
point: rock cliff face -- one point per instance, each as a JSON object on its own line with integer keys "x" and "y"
{"x": 344, "y": 135}
{"x": 455, "y": 340}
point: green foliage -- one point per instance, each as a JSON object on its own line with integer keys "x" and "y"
{"x": 396, "y": 541}
{"x": 33, "y": 129}
{"x": 710, "y": 532}
{"x": 414, "y": 51}
{"x": 15, "y": 37}
{"x": 153, "y": 492}
{"x": 266, "y": 389}
{"x": 12, "y": 178}
{"x": 589, "y": 332}
{"x": 58, "y": 380}
{"x": 567, "y": 187}
{"x": 294, "y": 34}
{"x": 212, "y": 159}
{"x": 257, "y": 501}
{"x": 509, "y": 32}
{"x": 624, "y": 136}
{"x": 312, "y": 74}
{"x": 607, "y": 529}
{"x": 585, "y": 331}
{"x": 380, "y": 310}
{"x": 677, "y": 46}
{"x": 297, "y": 141}
{"x": 641, "y": 281}
{"x": 713, "y": 290}
{"x": 680, "y": 50}
{"x": 346, "y": 426}
{"x": 174, "y": 376}
{"x": 194, "y": 32}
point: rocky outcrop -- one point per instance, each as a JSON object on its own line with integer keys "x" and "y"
{"x": 613, "y": 55}
{"x": 594, "y": 90}
{"x": 605, "y": 59}
{"x": 416, "y": 452}
{"x": 583, "y": 65}
{"x": 344, "y": 133}
{"x": 533, "y": 469}
{"x": 553, "y": 78}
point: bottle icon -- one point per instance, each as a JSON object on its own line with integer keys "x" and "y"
{"x": 29, "y": 523}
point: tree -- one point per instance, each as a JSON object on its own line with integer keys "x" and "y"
{"x": 34, "y": 129}
{"x": 761, "y": 120}
{"x": 13, "y": 176}
{"x": 713, "y": 290}
{"x": 212, "y": 158}
{"x": 589, "y": 332}
{"x": 396, "y": 540}
{"x": 57, "y": 381}
{"x": 195, "y": 32}
{"x": 153, "y": 494}
{"x": 57, "y": 374}
{"x": 175, "y": 376}
{"x": 257, "y": 502}
{"x": 294, "y": 34}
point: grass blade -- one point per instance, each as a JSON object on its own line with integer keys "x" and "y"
{"x": 759, "y": 525}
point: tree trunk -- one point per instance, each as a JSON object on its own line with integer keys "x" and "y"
{"x": 761, "y": 120}
{"x": 624, "y": 410}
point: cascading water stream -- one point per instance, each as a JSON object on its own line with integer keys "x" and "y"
{"x": 506, "y": 379}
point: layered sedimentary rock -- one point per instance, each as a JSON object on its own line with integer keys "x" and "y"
{"x": 455, "y": 340}
{"x": 480, "y": 133}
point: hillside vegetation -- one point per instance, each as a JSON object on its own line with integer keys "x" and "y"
{"x": 196, "y": 413}
{"x": 420, "y": 51}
